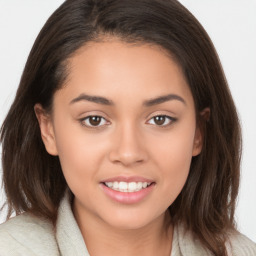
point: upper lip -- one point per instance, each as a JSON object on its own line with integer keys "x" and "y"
{"x": 128, "y": 179}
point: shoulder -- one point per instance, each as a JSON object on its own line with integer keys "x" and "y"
{"x": 27, "y": 235}
{"x": 188, "y": 243}
{"x": 240, "y": 245}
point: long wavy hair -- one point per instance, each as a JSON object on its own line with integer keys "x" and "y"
{"x": 33, "y": 179}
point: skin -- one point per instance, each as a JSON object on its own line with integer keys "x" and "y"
{"x": 128, "y": 141}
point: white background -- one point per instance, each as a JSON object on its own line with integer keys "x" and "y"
{"x": 230, "y": 23}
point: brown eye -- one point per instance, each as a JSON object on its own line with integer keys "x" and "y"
{"x": 94, "y": 121}
{"x": 161, "y": 120}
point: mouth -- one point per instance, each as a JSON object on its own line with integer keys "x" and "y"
{"x": 128, "y": 190}
{"x": 128, "y": 187}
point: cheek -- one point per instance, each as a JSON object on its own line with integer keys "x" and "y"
{"x": 80, "y": 154}
{"x": 173, "y": 156}
{"x": 175, "y": 148}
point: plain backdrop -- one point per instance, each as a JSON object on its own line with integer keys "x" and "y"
{"x": 230, "y": 23}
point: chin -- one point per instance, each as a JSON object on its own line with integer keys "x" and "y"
{"x": 128, "y": 224}
{"x": 130, "y": 221}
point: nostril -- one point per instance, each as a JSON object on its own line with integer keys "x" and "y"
{"x": 127, "y": 158}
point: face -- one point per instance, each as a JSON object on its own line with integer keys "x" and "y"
{"x": 124, "y": 128}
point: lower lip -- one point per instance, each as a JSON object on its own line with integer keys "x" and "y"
{"x": 127, "y": 197}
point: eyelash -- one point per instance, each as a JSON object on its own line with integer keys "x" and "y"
{"x": 83, "y": 120}
{"x": 171, "y": 120}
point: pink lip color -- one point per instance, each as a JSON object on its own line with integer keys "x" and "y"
{"x": 127, "y": 197}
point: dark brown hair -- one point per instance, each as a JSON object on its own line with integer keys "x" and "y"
{"x": 33, "y": 179}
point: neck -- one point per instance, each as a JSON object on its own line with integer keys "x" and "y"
{"x": 103, "y": 239}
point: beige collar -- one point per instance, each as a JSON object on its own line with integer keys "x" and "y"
{"x": 71, "y": 242}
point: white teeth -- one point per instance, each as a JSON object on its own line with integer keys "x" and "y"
{"x": 127, "y": 186}
{"x": 144, "y": 184}
{"x": 132, "y": 186}
{"x": 123, "y": 185}
{"x": 139, "y": 185}
{"x": 115, "y": 185}
{"x": 111, "y": 184}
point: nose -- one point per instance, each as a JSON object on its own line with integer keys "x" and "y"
{"x": 128, "y": 147}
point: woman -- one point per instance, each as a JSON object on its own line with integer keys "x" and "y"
{"x": 123, "y": 137}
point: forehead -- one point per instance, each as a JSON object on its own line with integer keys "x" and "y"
{"x": 120, "y": 70}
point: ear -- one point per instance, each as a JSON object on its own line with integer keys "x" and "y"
{"x": 47, "y": 131}
{"x": 199, "y": 134}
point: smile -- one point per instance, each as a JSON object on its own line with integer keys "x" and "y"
{"x": 127, "y": 190}
{"x": 127, "y": 186}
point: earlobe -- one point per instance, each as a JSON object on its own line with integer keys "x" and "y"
{"x": 199, "y": 134}
{"x": 198, "y": 142}
{"x": 46, "y": 128}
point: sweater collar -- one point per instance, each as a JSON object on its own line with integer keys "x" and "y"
{"x": 71, "y": 242}
{"x": 68, "y": 235}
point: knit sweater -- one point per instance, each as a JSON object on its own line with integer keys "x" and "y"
{"x": 27, "y": 235}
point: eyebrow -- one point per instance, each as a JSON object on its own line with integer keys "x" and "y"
{"x": 91, "y": 98}
{"x": 162, "y": 99}
{"x": 147, "y": 103}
